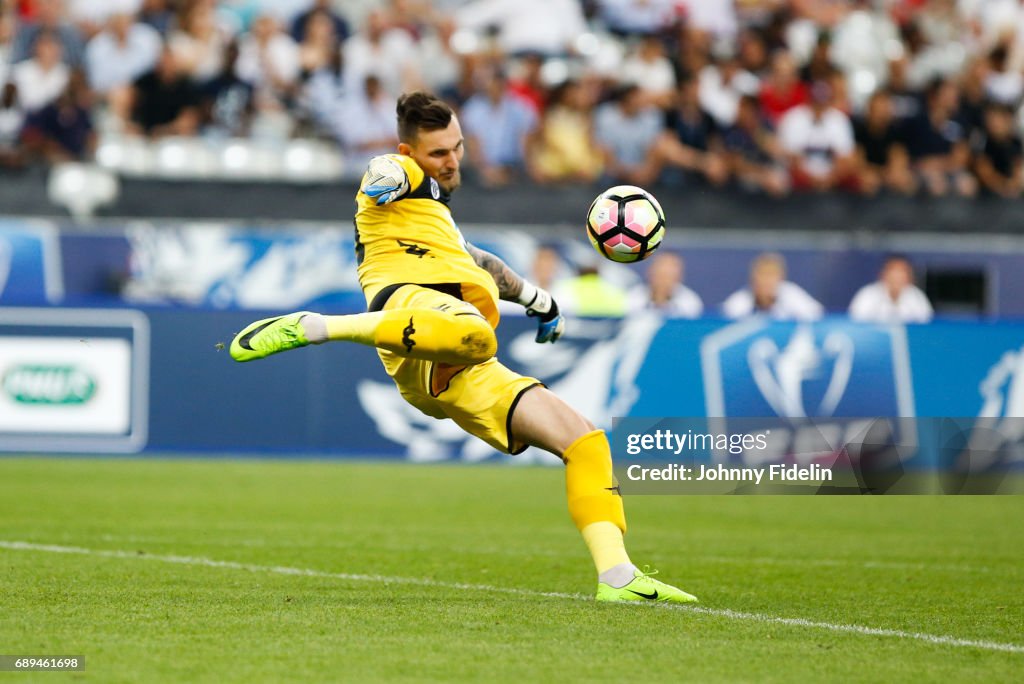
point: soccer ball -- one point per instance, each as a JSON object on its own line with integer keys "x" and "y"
{"x": 625, "y": 223}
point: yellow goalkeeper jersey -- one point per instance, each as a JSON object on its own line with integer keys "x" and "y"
{"x": 415, "y": 240}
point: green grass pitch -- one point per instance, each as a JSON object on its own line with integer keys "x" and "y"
{"x": 233, "y": 570}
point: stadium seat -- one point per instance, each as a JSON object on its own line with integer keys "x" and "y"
{"x": 184, "y": 158}
{"x": 130, "y": 156}
{"x": 311, "y": 161}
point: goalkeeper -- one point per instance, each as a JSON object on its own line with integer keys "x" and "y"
{"x": 432, "y": 307}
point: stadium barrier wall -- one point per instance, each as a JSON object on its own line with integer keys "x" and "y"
{"x": 291, "y": 265}
{"x": 156, "y": 380}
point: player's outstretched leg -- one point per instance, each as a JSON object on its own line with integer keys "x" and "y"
{"x": 453, "y": 338}
{"x": 595, "y": 505}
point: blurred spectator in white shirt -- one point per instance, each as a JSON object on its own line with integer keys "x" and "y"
{"x": 1002, "y": 83}
{"x": 324, "y": 94}
{"x": 365, "y": 123}
{"x": 893, "y": 298}
{"x": 43, "y": 78}
{"x": 50, "y": 17}
{"x": 92, "y": 15}
{"x": 549, "y": 27}
{"x": 383, "y": 51}
{"x": 497, "y": 124}
{"x": 435, "y": 49}
{"x": 268, "y": 58}
{"x": 121, "y": 53}
{"x": 770, "y": 293}
{"x": 641, "y": 17}
{"x": 860, "y": 43}
{"x": 664, "y": 291}
{"x": 723, "y": 83}
{"x": 714, "y": 17}
{"x": 285, "y": 11}
{"x": 200, "y": 44}
{"x": 818, "y": 140}
{"x": 647, "y": 67}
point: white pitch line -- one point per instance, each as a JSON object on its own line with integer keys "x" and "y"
{"x": 940, "y": 640}
{"x": 504, "y": 551}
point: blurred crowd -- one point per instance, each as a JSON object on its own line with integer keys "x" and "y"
{"x": 893, "y": 297}
{"x": 769, "y": 96}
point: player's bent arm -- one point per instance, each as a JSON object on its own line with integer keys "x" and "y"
{"x": 514, "y": 288}
{"x": 510, "y": 284}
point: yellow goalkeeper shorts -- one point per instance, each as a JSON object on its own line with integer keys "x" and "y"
{"x": 479, "y": 398}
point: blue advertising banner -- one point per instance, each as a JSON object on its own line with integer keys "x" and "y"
{"x": 336, "y": 399}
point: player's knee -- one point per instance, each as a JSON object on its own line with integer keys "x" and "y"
{"x": 474, "y": 338}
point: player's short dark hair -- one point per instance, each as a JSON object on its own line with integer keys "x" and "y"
{"x": 421, "y": 111}
{"x": 893, "y": 257}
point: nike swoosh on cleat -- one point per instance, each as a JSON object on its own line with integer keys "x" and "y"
{"x": 652, "y": 597}
{"x": 244, "y": 341}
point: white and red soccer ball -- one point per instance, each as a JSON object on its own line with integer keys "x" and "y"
{"x": 625, "y": 223}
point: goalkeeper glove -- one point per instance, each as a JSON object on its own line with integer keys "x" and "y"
{"x": 386, "y": 180}
{"x": 539, "y": 303}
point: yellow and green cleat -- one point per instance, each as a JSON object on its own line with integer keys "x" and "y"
{"x": 644, "y": 588}
{"x": 269, "y": 336}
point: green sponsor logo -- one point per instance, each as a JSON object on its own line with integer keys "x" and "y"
{"x": 50, "y": 385}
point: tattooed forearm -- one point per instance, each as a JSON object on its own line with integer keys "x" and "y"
{"x": 510, "y": 284}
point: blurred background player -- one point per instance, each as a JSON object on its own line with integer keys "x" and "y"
{"x": 589, "y": 293}
{"x": 770, "y": 293}
{"x": 664, "y": 290}
{"x": 893, "y": 298}
{"x": 432, "y": 302}
{"x": 547, "y": 266}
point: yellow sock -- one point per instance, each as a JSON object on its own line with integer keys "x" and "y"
{"x": 590, "y": 487}
{"x": 604, "y": 540}
{"x": 419, "y": 334}
{"x": 354, "y": 328}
